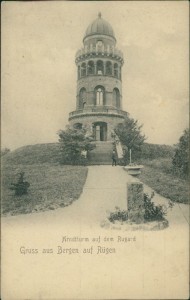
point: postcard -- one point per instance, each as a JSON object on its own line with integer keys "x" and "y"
{"x": 94, "y": 150}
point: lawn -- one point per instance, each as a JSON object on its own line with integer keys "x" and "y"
{"x": 51, "y": 186}
{"x": 159, "y": 176}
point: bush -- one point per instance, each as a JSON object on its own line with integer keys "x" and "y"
{"x": 73, "y": 141}
{"x": 152, "y": 212}
{"x": 130, "y": 136}
{"x": 118, "y": 215}
{"x": 181, "y": 157}
{"x": 21, "y": 187}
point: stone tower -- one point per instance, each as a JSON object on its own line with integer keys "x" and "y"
{"x": 99, "y": 82}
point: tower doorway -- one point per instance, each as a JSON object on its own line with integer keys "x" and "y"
{"x": 100, "y": 131}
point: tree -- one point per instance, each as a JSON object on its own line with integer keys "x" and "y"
{"x": 129, "y": 133}
{"x": 73, "y": 141}
{"x": 181, "y": 157}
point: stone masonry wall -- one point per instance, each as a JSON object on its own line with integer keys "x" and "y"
{"x": 88, "y": 121}
{"x": 91, "y": 82}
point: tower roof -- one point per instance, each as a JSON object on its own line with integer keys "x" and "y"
{"x": 99, "y": 26}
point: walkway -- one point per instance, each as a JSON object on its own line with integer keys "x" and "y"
{"x": 155, "y": 265}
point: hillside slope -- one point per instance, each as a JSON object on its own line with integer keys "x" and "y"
{"x": 51, "y": 153}
{"x": 34, "y": 154}
{"x": 52, "y": 185}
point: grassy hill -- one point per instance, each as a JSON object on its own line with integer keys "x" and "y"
{"x": 155, "y": 151}
{"x": 51, "y": 153}
{"x": 33, "y": 154}
{"x": 51, "y": 185}
{"x": 160, "y": 176}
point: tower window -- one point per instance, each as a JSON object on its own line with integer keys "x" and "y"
{"x": 91, "y": 69}
{"x": 82, "y": 98}
{"x": 120, "y": 73}
{"x": 100, "y": 67}
{"x": 99, "y": 43}
{"x": 99, "y": 96}
{"x": 116, "y": 73}
{"x": 99, "y": 46}
{"x": 116, "y": 98}
{"x": 78, "y": 72}
{"x": 108, "y": 68}
{"x": 83, "y": 69}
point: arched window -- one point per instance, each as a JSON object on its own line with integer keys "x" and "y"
{"x": 83, "y": 70}
{"x": 108, "y": 68}
{"x": 91, "y": 68}
{"x": 78, "y": 72}
{"x": 99, "y": 95}
{"x": 120, "y": 73}
{"x": 82, "y": 98}
{"x": 99, "y": 46}
{"x": 100, "y": 67}
{"x": 116, "y": 70}
{"x": 116, "y": 98}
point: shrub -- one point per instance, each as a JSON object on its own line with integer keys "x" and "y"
{"x": 130, "y": 136}
{"x": 21, "y": 187}
{"x": 152, "y": 212}
{"x": 181, "y": 157}
{"x": 73, "y": 141}
{"x": 118, "y": 215}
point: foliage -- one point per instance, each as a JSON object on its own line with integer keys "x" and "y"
{"x": 73, "y": 141}
{"x": 154, "y": 151}
{"x": 4, "y": 151}
{"x": 152, "y": 212}
{"x": 181, "y": 157}
{"x": 21, "y": 187}
{"x": 118, "y": 215}
{"x": 129, "y": 133}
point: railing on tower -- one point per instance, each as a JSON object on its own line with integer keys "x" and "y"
{"x": 109, "y": 51}
{"x": 99, "y": 109}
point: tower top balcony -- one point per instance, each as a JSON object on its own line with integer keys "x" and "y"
{"x": 102, "y": 51}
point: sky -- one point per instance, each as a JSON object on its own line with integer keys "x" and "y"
{"x": 39, "y": 43}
